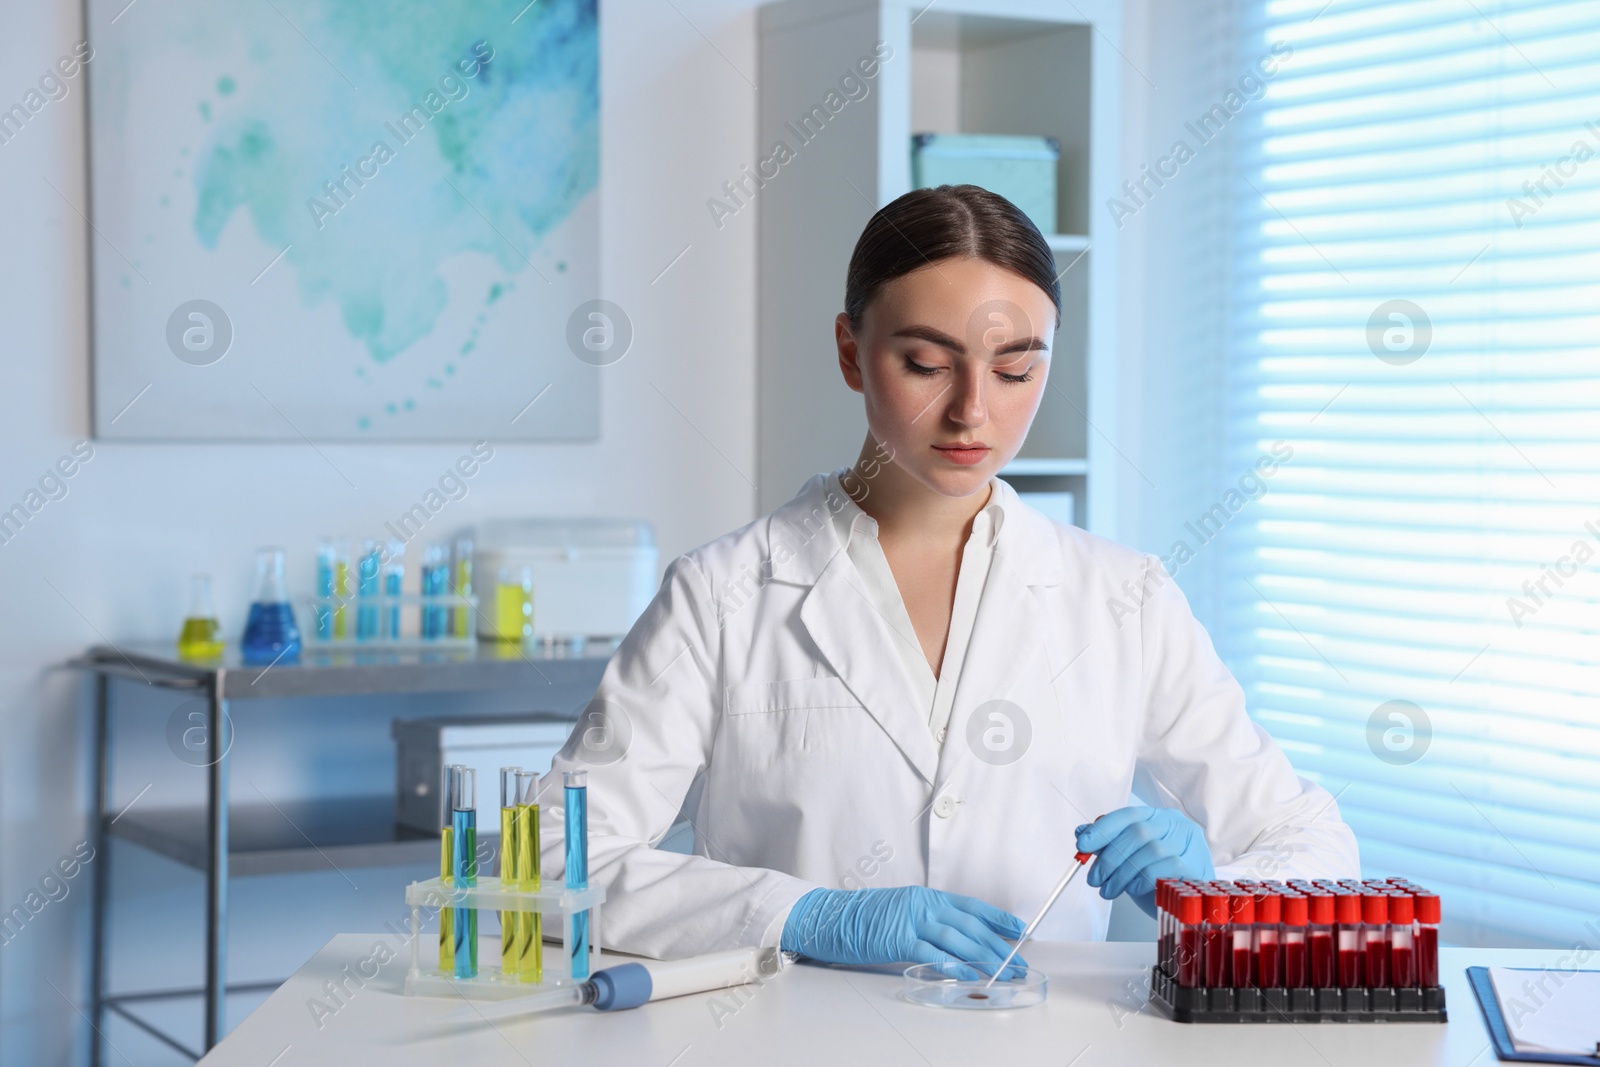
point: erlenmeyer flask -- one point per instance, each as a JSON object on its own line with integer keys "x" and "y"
{"x": 270, "y": 634}
{"x": 201, "y": 637}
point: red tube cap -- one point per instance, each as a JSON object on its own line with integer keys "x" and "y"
{"x": 1321, "y": 909}
{"x": 1269, "y": 908}
{"x": 1401, "y": 909}
{"x": 1190, "y": 909}
{"x": 1427, "y": 907}
{"x": 1347, "y": 909}
{"x": 1296, "y": 910}
{"x": 1216, "y": 907}
{"x": 1242, "y": 907}
{"x": 1374, "y": 908}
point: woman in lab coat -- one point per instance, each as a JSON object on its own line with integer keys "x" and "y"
{"x": 893, "y": 708}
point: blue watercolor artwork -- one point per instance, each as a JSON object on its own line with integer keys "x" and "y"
{"x": 343, "y": 219}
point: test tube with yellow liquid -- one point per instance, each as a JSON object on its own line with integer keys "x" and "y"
{"x": 447, "y": 929}
{"x": 530, "y": 948}
{"x": 510, "y": 921}
{"x": 341, "y": 589}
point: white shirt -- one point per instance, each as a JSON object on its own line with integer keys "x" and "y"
{"x": 858, "y": 532}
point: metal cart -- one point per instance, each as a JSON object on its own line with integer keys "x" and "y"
{"x": 247, "y": 841}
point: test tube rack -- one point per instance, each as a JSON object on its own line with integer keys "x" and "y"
{"x": 492, "y": 897}
{"x": 1243, "y": 952}
{"x": 410, "y": 607}
{"x": 1248, "y": 1004}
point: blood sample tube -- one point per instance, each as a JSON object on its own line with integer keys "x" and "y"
{"x": 1266, "y": 949}
{"x": 1214, "y": 941}
{"x": 1242, "y": 916}
{"x": 1427, "y": 941}
{"x": 1164, "y": 887}
{"x": 1161, "y": 923}
{"x": 1375, "y": 939}
{"x": 1402, "y": 941}
{"x": 1319, "y": 941}
{"x": 1187, "y": 954}
{"x": 1296, "y": 914}
{"x": 1175, "y": 903}
{"x": 1186, "y": 928}
{"x": 1347, "y": 939}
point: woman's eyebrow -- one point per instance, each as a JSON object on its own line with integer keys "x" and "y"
{"x": 944, "y": 340}
{"x": 933, "y": 336}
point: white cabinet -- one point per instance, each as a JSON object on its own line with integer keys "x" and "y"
{"x": 967, "y": 66}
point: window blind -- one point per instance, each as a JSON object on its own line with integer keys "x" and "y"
{"x": 1413, "y": 604}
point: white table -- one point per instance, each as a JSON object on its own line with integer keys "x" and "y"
{"x": 812, "y": 1016}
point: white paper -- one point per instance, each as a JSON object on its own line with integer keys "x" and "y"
{"x": 1549, "y": 1010}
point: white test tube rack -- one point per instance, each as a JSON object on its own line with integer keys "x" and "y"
{"x": 490, "y": 897}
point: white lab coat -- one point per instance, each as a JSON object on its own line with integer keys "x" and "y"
{"x": 760, "y": 693}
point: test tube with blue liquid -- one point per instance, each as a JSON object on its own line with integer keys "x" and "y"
{"x": 394, "y": 576}
{"x": 435, "y": 584}
{"x": 576, "y": 806}
{"x": 368, "y": 580}
{"x": 464, "y": 865}
{"x": 327, "y": 555}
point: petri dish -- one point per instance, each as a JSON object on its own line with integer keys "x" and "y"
{"x": 963, "y": 986}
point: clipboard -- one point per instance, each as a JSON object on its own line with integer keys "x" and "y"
{"x": 1503, "y": 1048}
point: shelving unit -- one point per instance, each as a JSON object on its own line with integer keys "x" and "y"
{"x": 223, "y": 840}
{"x": 967, "y": 66}
{"x": 342, "y": 832}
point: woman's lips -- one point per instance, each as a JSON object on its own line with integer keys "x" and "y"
{"x": 966, "y": 455}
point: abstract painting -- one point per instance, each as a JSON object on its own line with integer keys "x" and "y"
{"x": 344, "y": 219}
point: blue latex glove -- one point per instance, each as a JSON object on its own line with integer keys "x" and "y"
{"x": 904, "y": 924}
{"x": 1135, "y": 846}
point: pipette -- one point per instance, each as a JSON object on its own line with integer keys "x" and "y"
{"x": 629, "y": 985}
{"x": 1078, "y": 861}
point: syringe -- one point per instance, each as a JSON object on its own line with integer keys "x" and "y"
{"x": 629, "y": 985}
{"x": 1078, "y": 860}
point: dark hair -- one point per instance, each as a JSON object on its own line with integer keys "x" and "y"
{"x": 925, "y": 225}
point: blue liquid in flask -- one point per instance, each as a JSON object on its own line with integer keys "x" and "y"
{"x": 270, "y": 633}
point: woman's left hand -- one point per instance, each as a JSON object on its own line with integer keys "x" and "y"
{"x": 1135, "y": 846}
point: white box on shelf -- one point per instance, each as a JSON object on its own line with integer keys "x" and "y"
{"x": 589, "y": 577}
{"x": 485, "y": 743}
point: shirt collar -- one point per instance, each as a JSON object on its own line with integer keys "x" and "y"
{"x": 849, "y": 518}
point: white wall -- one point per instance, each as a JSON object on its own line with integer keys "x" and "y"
{"x": 111, "y": 560}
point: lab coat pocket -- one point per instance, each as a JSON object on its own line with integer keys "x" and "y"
{"x": 768, "y": 722}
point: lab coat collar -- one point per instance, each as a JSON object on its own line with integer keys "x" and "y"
{"x": 850, "y": 519}
{"x": 802, "y": 538}
{"x": 838, "y": 613}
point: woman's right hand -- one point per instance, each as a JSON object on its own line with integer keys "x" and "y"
{"x": 904, "y": 924}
